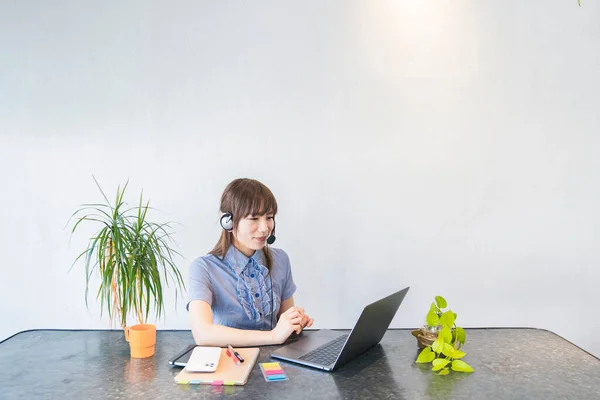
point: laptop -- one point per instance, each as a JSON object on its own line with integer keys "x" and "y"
{"x": 327, "y": 349}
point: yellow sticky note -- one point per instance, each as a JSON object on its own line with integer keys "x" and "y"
{"x": 271, "y": 366}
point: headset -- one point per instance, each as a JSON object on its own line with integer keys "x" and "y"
{"x": 226, "y": 222}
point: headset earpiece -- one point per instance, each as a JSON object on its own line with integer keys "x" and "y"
{"x": 227, "y": 221}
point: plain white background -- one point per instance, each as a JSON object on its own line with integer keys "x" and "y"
{"x": 448, "y": 146}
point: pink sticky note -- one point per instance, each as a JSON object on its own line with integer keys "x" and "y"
{"x": 274, "y": 372}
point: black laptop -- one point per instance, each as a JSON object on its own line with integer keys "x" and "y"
{"x": 327, "y": 349}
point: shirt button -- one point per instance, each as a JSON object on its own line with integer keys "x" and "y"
{"x": 251, "y": 275}
{"x": 256, "y": 295}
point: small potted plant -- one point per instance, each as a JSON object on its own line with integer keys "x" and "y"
{"x": 133, "y": 257}
{"x": 441, "y": 340}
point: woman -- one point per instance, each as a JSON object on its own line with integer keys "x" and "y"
{"x": 241, "y": 293}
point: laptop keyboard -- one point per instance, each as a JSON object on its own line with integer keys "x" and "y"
{"x": 326, "y": 354}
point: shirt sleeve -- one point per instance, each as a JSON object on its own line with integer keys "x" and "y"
{"x": 289, "y": 287}
{"x": 199, "y": 285}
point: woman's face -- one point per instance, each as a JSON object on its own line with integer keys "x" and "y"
{"x": 252, "y": 233}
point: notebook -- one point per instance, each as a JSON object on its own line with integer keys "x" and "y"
{"x": 227, "y": 373}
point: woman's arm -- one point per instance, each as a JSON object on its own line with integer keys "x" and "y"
{"x": 285, "y": 305}
{"x": 206, "y": 333}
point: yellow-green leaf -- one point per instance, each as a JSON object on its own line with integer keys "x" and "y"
{"x": 433, "y": 307}
{"x": 460, "y": 366}
{"x": 426, "y": 356}
{"x": 438, "y": 345}
{"x": 441, "y": 302}
{"x": 447, "y": 318}
{"x": 432, "y": 318}
{"x": 446, "y": 334}
{"x": 461, "y": 335}
{"x": 447, "y": 350}
{"x": 439, "y": 363}
{"x": 458, "y": 354}
{"x": 445, "y": 371}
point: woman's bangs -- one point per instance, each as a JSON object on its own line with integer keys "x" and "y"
{"x": 258, "y": 204}
{"x": 263, "y": 205}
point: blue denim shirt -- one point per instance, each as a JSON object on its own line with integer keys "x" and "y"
{"x": 239, "y": 289}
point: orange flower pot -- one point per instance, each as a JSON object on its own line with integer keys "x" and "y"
{"x": 142, "y": 339}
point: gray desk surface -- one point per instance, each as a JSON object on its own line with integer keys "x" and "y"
{"x": 509, "y": 364}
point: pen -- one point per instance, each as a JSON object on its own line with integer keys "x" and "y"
{"x": 233, "y": 358}
{"x": 235, "y": 353}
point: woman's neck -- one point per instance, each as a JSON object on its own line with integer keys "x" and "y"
{"x": 248, "y": 252}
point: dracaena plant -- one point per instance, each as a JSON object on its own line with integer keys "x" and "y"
{"x": 132, "y": 255}
{"x": 444, "y": 353}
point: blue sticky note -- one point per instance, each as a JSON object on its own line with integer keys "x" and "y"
{"x": 276, "y": 377}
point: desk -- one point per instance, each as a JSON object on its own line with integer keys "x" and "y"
{"x": 509, "y": 364}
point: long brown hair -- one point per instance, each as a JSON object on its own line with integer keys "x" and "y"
{"x": 243, "y": 197}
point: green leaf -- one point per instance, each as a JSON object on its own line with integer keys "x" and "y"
{"x": 456, "y": 354}
{"x": 447, "y": 318}
{"x": 446, "y": 334}
{"x": 447, "y": 350}
{"x": 461, "y": 335}
{"x": 441, "y": 302}
{"x": 439, "y": 363}
{"x": 438, "y": 345}
{"x": 433, "y": 319}
{"x": 445, "y": 371}
{"x": 460, "y": 366}
{"x": 426, "y": 356}
{"x": 434, "y": 308}
{"x": 97, "y": 184}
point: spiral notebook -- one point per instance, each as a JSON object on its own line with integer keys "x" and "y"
{"x": 227, "y": 373}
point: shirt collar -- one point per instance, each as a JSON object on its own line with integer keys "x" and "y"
{"x": 238, "y": 260}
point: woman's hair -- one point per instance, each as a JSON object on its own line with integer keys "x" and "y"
{"x": 244, "y": 197}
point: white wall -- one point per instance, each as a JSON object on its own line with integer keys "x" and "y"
{"x": 448, "y": 146}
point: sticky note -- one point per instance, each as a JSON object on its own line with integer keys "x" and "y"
{"x": 273, "y": 372}
{"x": 271, "y": 365}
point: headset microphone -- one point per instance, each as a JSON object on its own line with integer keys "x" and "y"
{"x": 271, "y": 239}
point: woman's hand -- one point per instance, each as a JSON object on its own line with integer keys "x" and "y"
{"x": 289, "y": 321}
{"x": 306, "y": 320}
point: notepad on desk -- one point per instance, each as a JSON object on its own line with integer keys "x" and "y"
{"x": 227, "y": 373}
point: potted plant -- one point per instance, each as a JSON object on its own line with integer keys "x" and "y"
{"x": 133, "y": 257}
{"x": 441, "y": 340}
